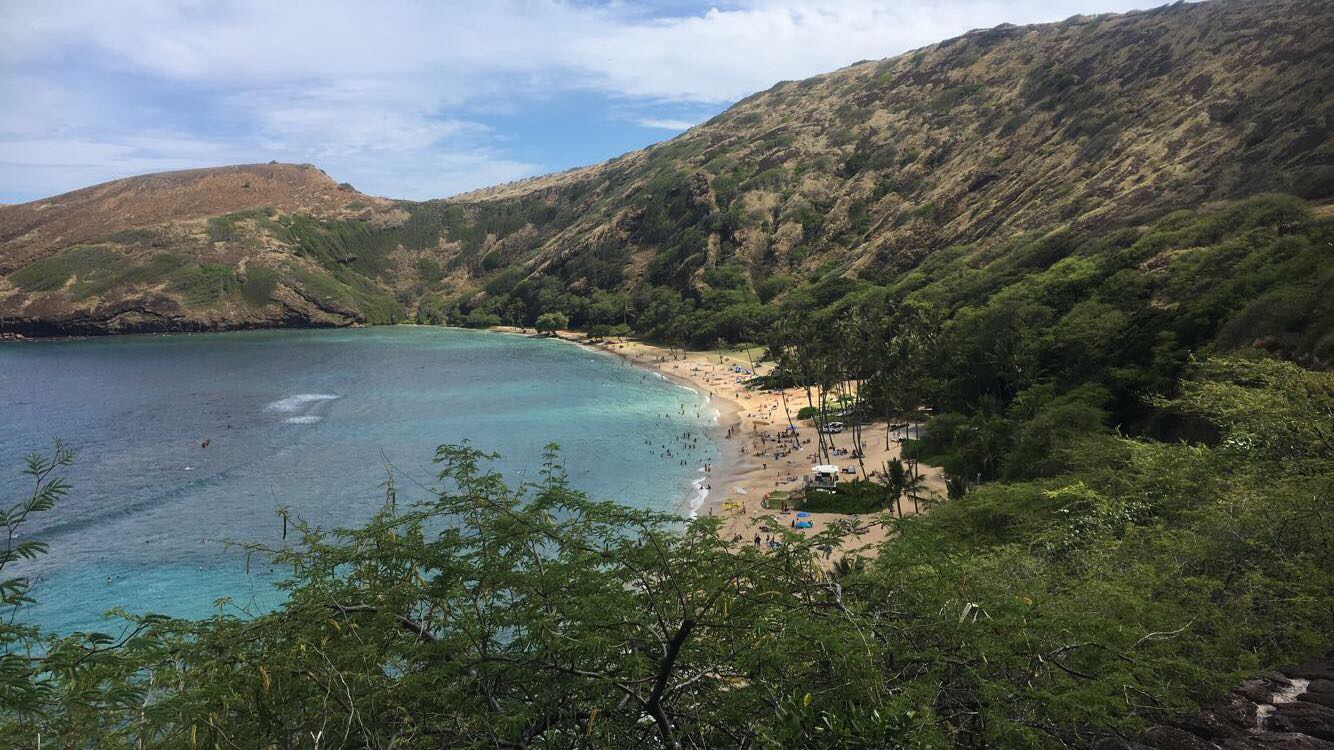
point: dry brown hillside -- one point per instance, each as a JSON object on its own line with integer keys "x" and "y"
{"x": 176, "y": 251}
{"x": 1097, "y": 121}
{"x": 30, "y": 230}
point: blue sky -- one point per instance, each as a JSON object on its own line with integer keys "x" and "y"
{"x": 410, "y": 98}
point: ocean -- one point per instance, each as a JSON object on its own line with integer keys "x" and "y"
{"x": 307, "y": 419}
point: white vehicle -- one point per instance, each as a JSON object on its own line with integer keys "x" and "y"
{"x": 833, "y": 428}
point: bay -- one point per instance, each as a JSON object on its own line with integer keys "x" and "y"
{"x": 308, "y": 419}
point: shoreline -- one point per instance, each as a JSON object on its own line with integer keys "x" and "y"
{"x": 756, "y": 458}
{"x": 726, "y": 470}
{"x": 759, "y": 461}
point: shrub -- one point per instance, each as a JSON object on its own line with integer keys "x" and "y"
{"x": 773, "y": 286}
{"x": 429, "y": 270}
{"x": 258, "y": 285}
{"x": 481, "y": 319}
{"x": 551, "y": 322}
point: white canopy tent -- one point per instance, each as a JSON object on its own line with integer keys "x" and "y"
{"x": 824, "y": 475}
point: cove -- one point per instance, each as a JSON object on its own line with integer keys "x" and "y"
{"x": 308, "y": 419}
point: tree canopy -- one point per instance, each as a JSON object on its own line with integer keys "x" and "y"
{"x": 552, "y": 322}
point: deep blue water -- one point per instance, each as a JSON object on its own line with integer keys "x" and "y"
{"x": 306, "y": 419}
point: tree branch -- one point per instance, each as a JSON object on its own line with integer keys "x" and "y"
{"x": 407, "y": 623}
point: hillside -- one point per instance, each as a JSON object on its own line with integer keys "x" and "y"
{"x": 1095, "y": 122}
{"x": 1088, "y": 126}
{"x": 164, "y": 252}
{"x": 28, "y": 231}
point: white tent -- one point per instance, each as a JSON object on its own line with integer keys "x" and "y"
{"x": 824, "y": 475}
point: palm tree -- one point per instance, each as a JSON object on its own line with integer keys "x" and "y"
{"x": 846, "y": 566}
{"x": 895, "y": 478}
{"x": 899, "y": 480}
{"x": 913, "y": 484}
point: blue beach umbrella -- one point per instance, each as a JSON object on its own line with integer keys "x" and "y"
{"x": 803, "y": 514}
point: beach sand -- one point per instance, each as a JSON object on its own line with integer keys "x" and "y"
{"x": 750, "y": 423}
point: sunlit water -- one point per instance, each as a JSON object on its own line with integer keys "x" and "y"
{"x": 306, "y": 419}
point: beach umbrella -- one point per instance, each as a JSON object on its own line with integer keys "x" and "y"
{"x": 803, "y": 514}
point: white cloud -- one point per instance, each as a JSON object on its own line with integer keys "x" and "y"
{"x": 666, "y": 124}
{"x": 723, "y": 55}
{"x": 381, "y": 94}
{"x": 342, "y": 120}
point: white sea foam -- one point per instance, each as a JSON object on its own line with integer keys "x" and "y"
{"x": 299, "y": 401}
{"x": 303, "y": 419}
{"x": 701, "y": 494}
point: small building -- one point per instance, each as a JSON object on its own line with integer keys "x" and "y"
{"x": 824, "y": 476}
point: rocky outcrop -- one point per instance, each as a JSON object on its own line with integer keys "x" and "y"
{"x": 131, "y": 319}
{"x": 164, "y": 314}
{"x": 1292, "y": 707}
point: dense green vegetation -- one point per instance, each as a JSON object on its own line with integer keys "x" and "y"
{"x": 1019, "y": 346}
{"x": 354, "y": 259}
{"x": 1052, "y": 612}
{"x": 1253, "y": 271}
{"x": 95, "y": 271}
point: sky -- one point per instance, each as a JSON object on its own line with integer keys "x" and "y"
{"x": 412, "y": 98}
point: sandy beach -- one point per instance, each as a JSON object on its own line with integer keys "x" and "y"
{"x": 759, "y": 456}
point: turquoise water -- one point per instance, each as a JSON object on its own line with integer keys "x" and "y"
{"x": 306, "y": 419}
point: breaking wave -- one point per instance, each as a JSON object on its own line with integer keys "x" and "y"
{"x": 299, "y": 401}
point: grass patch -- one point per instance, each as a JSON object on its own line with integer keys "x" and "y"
{"x": 858, "y": 497}
{"x": 323, "y": 287}
{"x": 228, "y": 227}
{"x": 258, "y": 285}
{"x": 205, "y": 284}
{"x": 103, "y": 279}
{"x": 952, "y": 96}
{"x": 49, "y": 274}
{"x": 132, "y": 237}
{"x": 351, "y": 293}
